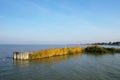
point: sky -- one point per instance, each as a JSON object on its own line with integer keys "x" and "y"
{"x": 59, "y": 21}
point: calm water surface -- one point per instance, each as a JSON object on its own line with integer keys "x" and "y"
{"x": 67, "y": 67}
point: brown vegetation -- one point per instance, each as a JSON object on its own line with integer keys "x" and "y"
{"x": 55, "y": 52}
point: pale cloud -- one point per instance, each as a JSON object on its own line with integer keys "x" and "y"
{"x": 70, "y": 10}
{"x": 45, "y": 9}
{"x": 29, "y": 7}
{"x": 39, "y": 7}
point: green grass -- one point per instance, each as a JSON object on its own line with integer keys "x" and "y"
{"x": 99, "y": 50}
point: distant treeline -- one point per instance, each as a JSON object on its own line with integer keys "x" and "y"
{"x": 109, "y": 43}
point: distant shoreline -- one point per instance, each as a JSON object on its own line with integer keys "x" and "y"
{"x": 106, "y": 43}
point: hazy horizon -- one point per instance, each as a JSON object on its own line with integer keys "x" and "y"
{"x": 59, "y": 21}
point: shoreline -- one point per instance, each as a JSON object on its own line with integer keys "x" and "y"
{"x": 62, "y": 51}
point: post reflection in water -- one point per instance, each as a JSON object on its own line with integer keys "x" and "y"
{"x": 21, "y": 63}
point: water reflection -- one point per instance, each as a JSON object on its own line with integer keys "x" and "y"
{"x": 100, "y": 55}
{"x": 21, "y": 63}
{"x": 51, "y": 60}
{"x": 55, "y": 59}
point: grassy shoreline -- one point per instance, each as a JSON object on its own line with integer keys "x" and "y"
{"x": 56, "y": 52}
{"x": 72, "y": 50}
{"x": 65, "y": 51}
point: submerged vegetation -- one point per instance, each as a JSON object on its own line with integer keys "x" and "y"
{"x": 117, "y": 50}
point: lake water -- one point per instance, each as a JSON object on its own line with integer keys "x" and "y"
{"x": 67, "y": 67}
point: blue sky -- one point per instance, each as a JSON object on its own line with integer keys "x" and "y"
{"x": 59, "y": 21}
